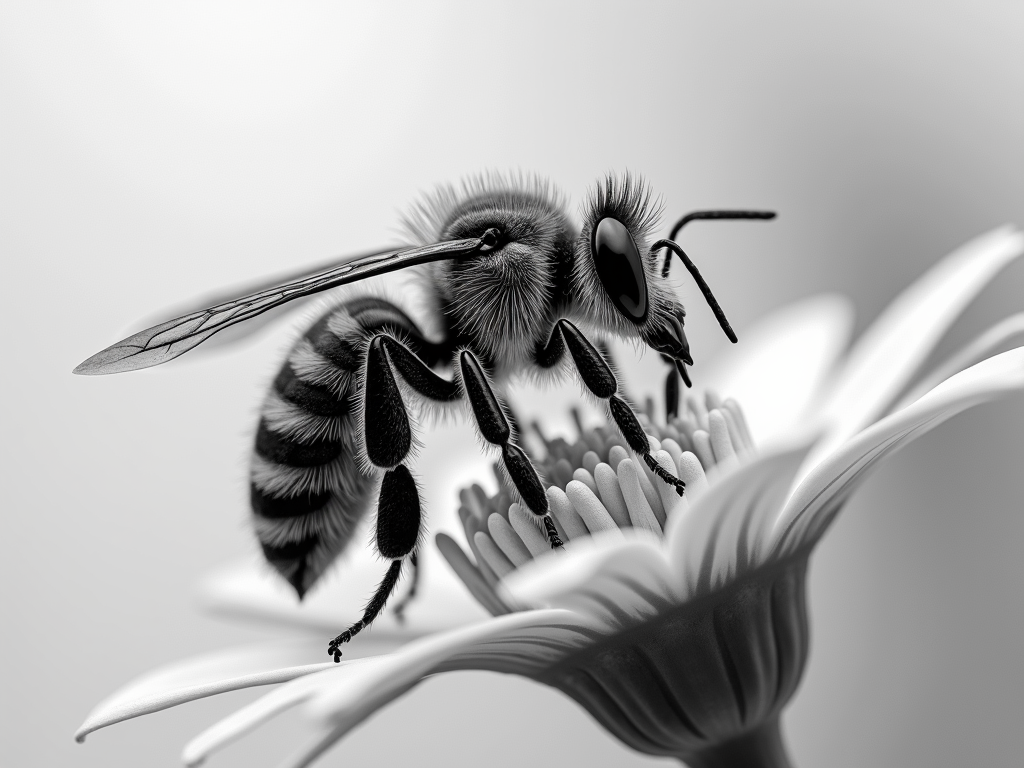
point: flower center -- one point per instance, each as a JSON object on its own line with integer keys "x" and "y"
{"x": 595, "y": 483}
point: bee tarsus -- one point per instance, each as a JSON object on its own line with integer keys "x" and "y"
{"x": 373, "y": 608}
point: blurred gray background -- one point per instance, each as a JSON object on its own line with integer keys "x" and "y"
{"x": 148, "y": 154}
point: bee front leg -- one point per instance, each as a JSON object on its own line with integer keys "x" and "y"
{"x": 597, "y": 376}
{"x": 494, "y": 426}
{"x": 676, "y": 370}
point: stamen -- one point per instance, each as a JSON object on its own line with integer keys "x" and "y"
{"x": 562, "y": 511}
{"x": 470, "y": 575}
{"x": 594, "y": 441}
{"x": 561, "y": 473}
{"x": 525, "y": 524}
{"x": 493, "y": 556}
{"x": 589, "y": 507}
{"x": 691, "y": 471}
{"x": 721, "y": 442}
{"x": 699, "y": 411}
{"x": 712, "y": 400}
{"x": 669, "y": 432}
{"x": 687, "y": 427}
{"x": 649, "y": 483}
{"x": 590, "y": 461}
{"x": 741, "y": 421}
{"x": 734, "y": 432}
{"x": 670, "y": 446}
{"x": 611, "y": 495}
{"x": 702, "y": 447}
{"x": 473, "y": 527}
{"x": 610, "y": 443}
{"x": 669, "y": 498}
{"x": 474, "y": 500}
{"x": 640, "y": 513}
{"x": 617, "y": 455}
{"x": 583, "y": 476}
{"x": 508, "y": 540}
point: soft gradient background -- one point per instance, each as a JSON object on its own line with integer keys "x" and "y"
{"x": 148, "y": 154}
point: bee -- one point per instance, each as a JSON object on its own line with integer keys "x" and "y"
{"x": 511, "y": 280}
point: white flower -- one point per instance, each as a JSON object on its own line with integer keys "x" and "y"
{"x": 679, "y": 624}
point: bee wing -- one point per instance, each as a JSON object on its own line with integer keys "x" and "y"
{"x": 243, "y": 331}
{"x": 170, "y": 339}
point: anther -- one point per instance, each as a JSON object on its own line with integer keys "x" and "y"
{"x": 664, "y": 474}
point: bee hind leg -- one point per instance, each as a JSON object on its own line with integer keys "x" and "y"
{"x": 388, "y": 440}
{"x": 398, "y": 532}
{"x": 414, "y": 582}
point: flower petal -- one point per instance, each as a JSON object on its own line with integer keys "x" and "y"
{"x": 470, "y": 574}
{"x": 203, "y": 676}
{"x": 781, "y": 362}
{"x": 614, "y": 578}
{"x": 980, "y": 348}
{"x": 320, "y": 743}
{"x": 256, "y": 713}
{"x": 893, "y": 348}
{"x": 818, "y": 497}
{"x": 515, "y": 642}
{"x": 724, "y": 531}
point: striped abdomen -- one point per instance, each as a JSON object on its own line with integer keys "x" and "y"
{"x": 309, "y": 489}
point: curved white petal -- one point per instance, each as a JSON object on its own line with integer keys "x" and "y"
{"x": 310, "y": 751}
{"x": 889, "y": 353}
{"x": 203, "y": 676}
{"x": 258, "y": 712}
{"x": 613, "y": 578}
{"x": 518, "y": 643}
{"x": 726, "y": 529}
{"x": 516, "y": 639}
{"x": 980, "y": 348}
{"x": 781, "y": 362}
{"x": 817, "y": 498}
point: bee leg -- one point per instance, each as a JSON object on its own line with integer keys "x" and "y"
{"x": 598, "y": 377}
{"x": 398, "y": 532}
{"x": 494, "y": 426}
{"x": 388, "y": 441}
{"x": 414, "y": 582}
{"x": 676, "y": 370}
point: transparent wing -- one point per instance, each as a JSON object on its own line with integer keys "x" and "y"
{"x": 240, "y": 332}
{"x": 168, "y": 340}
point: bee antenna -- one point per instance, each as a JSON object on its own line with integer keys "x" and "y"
{"x": 673, "y": 246}
{"x": 696, "y": 215}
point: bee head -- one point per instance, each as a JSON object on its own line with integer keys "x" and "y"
{"x": 617, "y": 277}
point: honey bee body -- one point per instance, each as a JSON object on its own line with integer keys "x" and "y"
{"x": 512, "y": 282}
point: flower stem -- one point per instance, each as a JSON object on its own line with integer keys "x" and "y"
{"x": 760, "y": 748}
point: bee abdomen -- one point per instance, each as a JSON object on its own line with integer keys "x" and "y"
{"x": 308, "y": 489}
{"x": 314, "y": 399}
{"x": 281, "y": 449}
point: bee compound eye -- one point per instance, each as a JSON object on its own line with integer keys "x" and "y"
{"x": 620, "y": 268}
